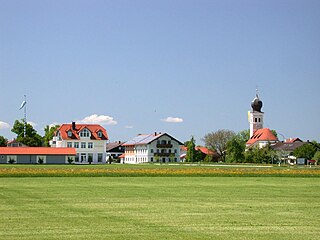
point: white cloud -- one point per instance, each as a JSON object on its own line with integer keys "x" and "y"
{"x": 4, "y": 125}
{"x": 172, "y": 120}
{"x": 54, "y": 124}
{"x": 99, "y": 119}
{"x": 129, "y": 127}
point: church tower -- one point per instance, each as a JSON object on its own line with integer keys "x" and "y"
{"x": 255, "y": 116}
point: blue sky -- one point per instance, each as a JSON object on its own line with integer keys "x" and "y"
{"x": 178, "y": 66}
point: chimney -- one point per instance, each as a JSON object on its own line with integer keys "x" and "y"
{"x": 73, "y": 126}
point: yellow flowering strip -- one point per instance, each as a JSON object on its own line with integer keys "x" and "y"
{"x": 161, "y": 171}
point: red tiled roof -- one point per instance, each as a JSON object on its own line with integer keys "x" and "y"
{"x": 201, "y": 149}
{"x": 122, "y": 156}
{"x": 93, "y": 128}
{"x": 36, "y": 151}
{"x": 205, "y": 150}
{"x": 183, "y": 148}
{"x": 263, "y": 134}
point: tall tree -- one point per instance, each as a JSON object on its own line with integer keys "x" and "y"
{"x": 236, "y": 146}
{"x": 191, "y": 152}
{"x": 49, "y": 133}
{"x": 218, "y": 141}
{"x": 32, "y": 139}
{"x": 306, "y": 151}
{"x": 3, "y": 141}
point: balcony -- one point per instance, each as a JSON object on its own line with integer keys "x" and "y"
{"x": 164, "y": 145}
{"x": 163, "y": 154}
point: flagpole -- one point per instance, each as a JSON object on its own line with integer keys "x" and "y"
{"x": 25, "y": 117}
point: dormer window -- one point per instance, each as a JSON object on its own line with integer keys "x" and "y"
{"x": 69, "y": 134}
{"x": 85, "y": 133}
{"x": 58, "y": 136}
{"x": 100, "y": 134}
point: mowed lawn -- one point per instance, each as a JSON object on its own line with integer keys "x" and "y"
{"x": 159, "y": 208}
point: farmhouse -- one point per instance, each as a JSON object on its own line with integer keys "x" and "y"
{"x": 33, "y": 155}
{"x": 114, "y": 150}
{"x": 156, "y": 147}
{"x": 89, "y": 141}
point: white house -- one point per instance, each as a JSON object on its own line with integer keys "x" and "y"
{"x": 89, "y": 140}
{"x": 157, "y": 147}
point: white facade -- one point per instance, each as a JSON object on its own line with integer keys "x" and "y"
{"x": 256, "y": 121}
{"x": 162, "y": 149}
{"x": 88, "y": 148}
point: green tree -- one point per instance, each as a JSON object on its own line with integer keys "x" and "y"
{"x": 236, "y": 147}
{"x": 3, "y": 141}
{"x": 218, "y": 141}
{"x": 191, "y": 152}
{"x": 260, "y": 155}
{"x": 49, "y": 133}
{"x": 317, "y": 156}
{"x": 306, "y": 151}
{"x": 32, "y": 139}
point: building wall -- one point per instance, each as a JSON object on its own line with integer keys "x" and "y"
{"x": 33, "y": 159}
{"x": 256, "y": 121}
{"x": 154, "y": 152}
{"x": 99, "y": 147}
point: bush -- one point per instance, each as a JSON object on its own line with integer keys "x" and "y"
{"x": 11, "y": 161}
{"x": 70, "y": 160}
{"x": 317, "y": 156}
{"x": 40, "y": 161}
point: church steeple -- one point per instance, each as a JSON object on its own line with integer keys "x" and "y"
{"x": 256, "y": 103}
{"x": 256, "y": 115}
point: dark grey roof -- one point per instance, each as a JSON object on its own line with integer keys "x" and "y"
{"x": 287, "y": 146}
{"x": 113, "y": 145}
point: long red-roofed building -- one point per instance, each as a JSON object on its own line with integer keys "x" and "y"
{"x": 34, "y": 155}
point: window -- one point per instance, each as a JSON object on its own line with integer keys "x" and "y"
{"x": 83, "y": 157}
{"x": 85, "y": 133}
{"x": 151, "y": 159}
{"x": 100, "y": 134}
{"x": 76, "y": 145}
{"x": 69, "y": 144}
{"x": 169, "y": 150}
{"x": 175, "y": 151}
{"x": 151, "y": 150}
{"x": 100, "y": 157}
{"x": 90, "y": 144}
{"x": 77, "y": 158}
{"x": 169, "y": 142}
{"x": 83, "y": 145}
{"x": 69, "y": 134}
{"x": 255, "y": 120}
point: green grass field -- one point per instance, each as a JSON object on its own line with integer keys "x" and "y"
{"x": 159, "y": 208}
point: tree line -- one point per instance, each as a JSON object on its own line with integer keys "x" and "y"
{"x": 230, "y": 147}
{"x": 32, "y": 138}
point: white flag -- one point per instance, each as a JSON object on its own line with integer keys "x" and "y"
{"x": 22, "y": 105}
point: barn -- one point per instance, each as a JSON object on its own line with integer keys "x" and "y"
{"x": 35, "y": 155}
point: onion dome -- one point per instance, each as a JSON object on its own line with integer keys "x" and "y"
{"x": 256, "y": 104}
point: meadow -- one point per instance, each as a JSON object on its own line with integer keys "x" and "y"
{"x": 166, "y": 207}
{"x": 154, "y": 170}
